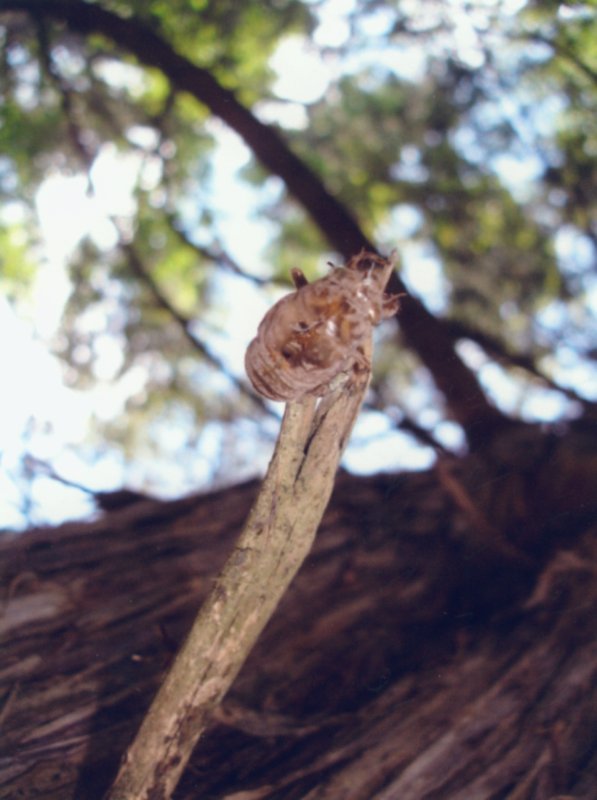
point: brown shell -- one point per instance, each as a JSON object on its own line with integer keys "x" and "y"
{"x": 318, "y": 331}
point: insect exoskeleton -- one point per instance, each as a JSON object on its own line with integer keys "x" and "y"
{"x": 318, "y": 331}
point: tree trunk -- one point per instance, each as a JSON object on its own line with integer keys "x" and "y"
{"x": 439, "y": 642}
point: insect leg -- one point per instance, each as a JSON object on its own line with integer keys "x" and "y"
{"x": 391, "y": 304}
{"x": 298, "y": 278}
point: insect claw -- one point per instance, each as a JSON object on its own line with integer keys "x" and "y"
{"x": 298, "y": 278}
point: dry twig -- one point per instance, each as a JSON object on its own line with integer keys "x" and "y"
{"x": 274, "y": 543}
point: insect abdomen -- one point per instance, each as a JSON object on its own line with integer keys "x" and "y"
{"x": 313, "y": 334}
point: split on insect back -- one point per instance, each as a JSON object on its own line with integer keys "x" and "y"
{"x": 321, "y": 329}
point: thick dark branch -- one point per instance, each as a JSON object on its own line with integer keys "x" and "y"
{"x": 423, "y": 332}
{"x": 498, "y": 350}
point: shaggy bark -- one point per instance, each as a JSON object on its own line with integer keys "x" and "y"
{"x": 439, "y": 642}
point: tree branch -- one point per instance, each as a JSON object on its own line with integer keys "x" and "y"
{"x": 562, "y": 50}
{"x": 218, "y": 255}
{"x": 421, "y": 434}
{"x": 274, "y": 543}
{"x": 137, "y": 266}
{"x": 498, "y": 350}
{"x": 84, "y": 153}
{"x": 423, "y": 332}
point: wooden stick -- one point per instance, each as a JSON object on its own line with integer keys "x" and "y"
{"x": 276, "y": 539}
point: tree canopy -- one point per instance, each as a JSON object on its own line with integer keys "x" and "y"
{"x": 462, "y": 134}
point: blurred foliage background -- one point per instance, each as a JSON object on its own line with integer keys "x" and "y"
{"x": 141, "y": 241}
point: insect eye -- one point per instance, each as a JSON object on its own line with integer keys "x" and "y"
{"x": 365, "y": 265}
